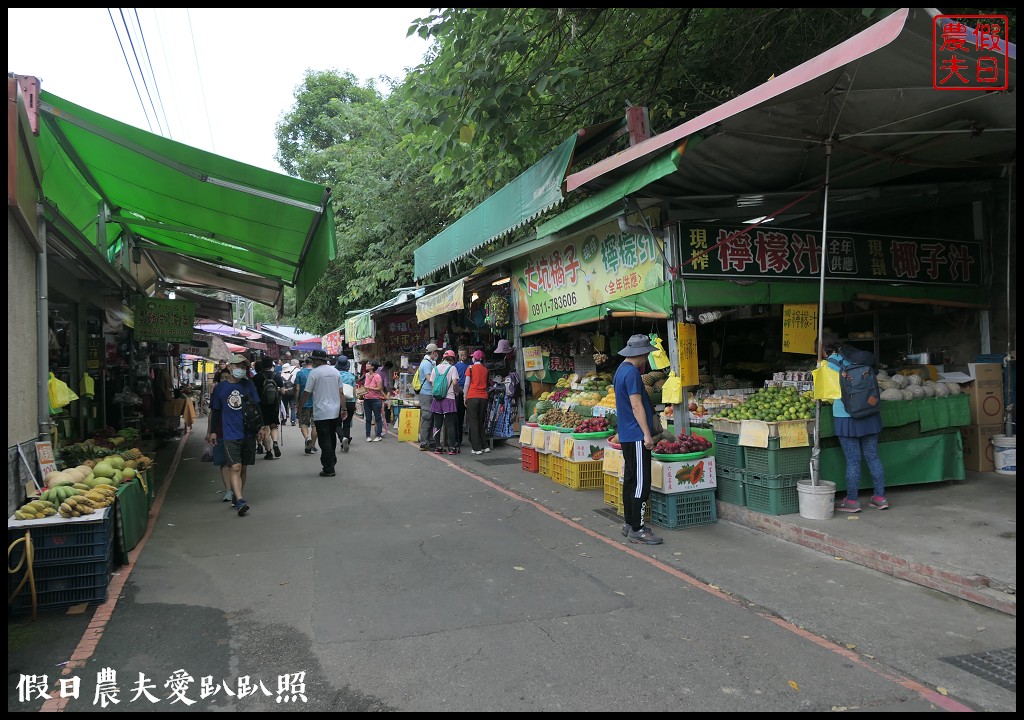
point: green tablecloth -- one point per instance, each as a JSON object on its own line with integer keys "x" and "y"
{"x": 130, "y": 518}
{"x": 929, "y": 458}
{"x": 934, "y": 413}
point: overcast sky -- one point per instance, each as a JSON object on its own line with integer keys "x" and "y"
{"x": 217, "y": 79}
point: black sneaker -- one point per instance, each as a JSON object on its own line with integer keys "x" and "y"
{"x": 644, "y": 536}
{"x": 307, "y": 449}
{"x": 268, "y": 456}
{"x": 425, "y": 448}
{"x": 326, "y": 473}
{"x": 277, "y": 450}
{"x": 242, "y": 507}
{"x": 625, "y": 529}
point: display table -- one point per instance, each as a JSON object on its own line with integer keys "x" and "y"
{"x": 934, "y": 413}
{"x": 131, "y": 514}
{"x": 927, "y": 458}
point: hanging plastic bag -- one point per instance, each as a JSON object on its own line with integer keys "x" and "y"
{"x": 672, "y": 390}
{"x": 826, "y": 382}
{"x": 207, "y": 455}
{"x": 60, "y": 394}
{"x": 658, "y": 360}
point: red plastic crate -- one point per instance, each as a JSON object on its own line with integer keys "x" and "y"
{"x": 531, "y": 461}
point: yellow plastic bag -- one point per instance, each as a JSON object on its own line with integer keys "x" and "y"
{"x": 826, "y": 382}
{"x": 658, "y": 360}
{"x": 60, "y": 394}
{"x": 672, "y": 390}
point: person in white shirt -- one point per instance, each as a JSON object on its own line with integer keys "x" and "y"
{"x": 324, "y": 386}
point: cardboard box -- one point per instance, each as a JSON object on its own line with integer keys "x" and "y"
{"x": 979, "y": 455}
{"x": 986, "y": 401}
{"x": 578, "y": 450}
{"x": 664, "y": 475}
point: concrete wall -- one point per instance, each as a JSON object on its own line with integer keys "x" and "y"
{"x": 22, "y": 349}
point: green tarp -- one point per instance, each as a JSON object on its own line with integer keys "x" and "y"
{"x": 656, "y": 300}
{"x": 925, "y": 459}
{"x": 181, "y": 199}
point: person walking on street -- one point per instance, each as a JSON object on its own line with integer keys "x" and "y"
{"x": 442, "y": 410}
{"x": 373, "y": 402}
{"x": 289, "y": 396}
{"x": 636, "y": 418}
{"x": 475, "y": 390}
{"x": 323, "y": 386}
{"x": 220, "y": 459}
{"x": 859, "y": 438}
{"x": 270, "y": 386}
{"x": 425, "y": 372}
{"x": 305, "y": 410}
{"x": 460, "y": 397}
{"x": 226, "y": 414}
{"x": 348, "y": 387}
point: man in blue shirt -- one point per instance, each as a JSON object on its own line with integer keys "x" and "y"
{"x": 460, "y": 397}
{"x": 226, "y": 415}
{"x": 427, "y": 365}
{"x": 636, "y": 418}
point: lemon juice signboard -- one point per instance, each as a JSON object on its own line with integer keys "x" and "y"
{"x": 589, "y": 269}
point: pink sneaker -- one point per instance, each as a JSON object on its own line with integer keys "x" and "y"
{"x": 848, "y": 506}
{"x": 879, "y": 501}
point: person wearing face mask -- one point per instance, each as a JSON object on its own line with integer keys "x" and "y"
{"x": 226, "y": 415}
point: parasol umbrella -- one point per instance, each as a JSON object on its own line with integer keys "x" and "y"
{"x": 308, "y": 345}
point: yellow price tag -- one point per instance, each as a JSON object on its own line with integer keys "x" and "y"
{"x": 526, "y": 435}
{"x": 754, "y": 433}
{"x": 540, "y": 439}
{"x": 793, "y": 434}
{"x": 568, "y": 445}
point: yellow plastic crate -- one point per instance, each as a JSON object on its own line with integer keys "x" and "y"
{"x": 544, "y": 465}
{"x": 587, "y": 475}
{"x": 558, "y": 469}
{"x": 613, "y": 491}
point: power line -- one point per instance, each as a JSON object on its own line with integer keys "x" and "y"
{"x": 152, "y": 72}
{"x": 202, "y": 88}
{"x": 142, "y": 73}
{"x": 130, "y": 73}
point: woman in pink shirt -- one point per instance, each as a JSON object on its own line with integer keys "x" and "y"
{"x": 373, "y": 401}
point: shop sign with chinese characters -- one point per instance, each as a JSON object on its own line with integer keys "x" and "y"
{"x": 799, "y": 328}
{"x": 720, "y": 251}
{"x": 402, "y": 333}
{"x": 333, "y": 342}
{"x": 970, "y": 52}
{"x": 171, "y": 321}
{"x": 590, "y": 269}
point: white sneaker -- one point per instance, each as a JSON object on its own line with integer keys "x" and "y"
{"x": 377, "y": 439}
{"x": 369, "y": 439}
{"x": 487, "y": 449}
{"x": 478, "y": 452}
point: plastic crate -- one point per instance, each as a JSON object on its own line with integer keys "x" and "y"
{"x": 774, "y": 460}
{"x": 544, "y": 464}
{"x": 63, "y": 584}
{"x": 728, "y": 451}
{"x": 558, "y": 469}
{"x": 682, "y": 510}
{"x": 65, "y": 542}
{"x": 613, "y": 491}
{"x": 773, "y": 494}
{"x": 730, "y": 486}
{"x": 530, "y": 461}
{"x": 587, "y": 475}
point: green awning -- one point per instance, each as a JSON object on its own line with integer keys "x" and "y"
{"x": 665, "y": 164}
{"x": 176, "y": 198}
{"x": 656, "y": 300}
{"x": 520, "y": 201}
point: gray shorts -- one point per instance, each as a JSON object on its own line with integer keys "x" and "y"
{"x": 240, "y": 452}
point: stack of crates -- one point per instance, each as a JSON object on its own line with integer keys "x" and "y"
{"x": 729, "y": 464}
{"x": 544, "y": 464}
{"x": 613, "y": 495}
{"x": 771, "y": 475}
{"x": 587, "y": 475}
{"x": 72, "y": 563}
{"x": 531, "y": 463}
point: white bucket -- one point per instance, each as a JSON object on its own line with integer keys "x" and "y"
{"x": 817, "y": 502}
{"x": 1005, "y": 447}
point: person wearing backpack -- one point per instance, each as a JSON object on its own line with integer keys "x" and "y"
{"x": 288, "y": 372}
{"x": 444, "y": 381}
{"x": 422, "y": 376}
{"x": 270, "y": 386}
{"x": 227, "y": 405}
{"x": 858, "y": 436}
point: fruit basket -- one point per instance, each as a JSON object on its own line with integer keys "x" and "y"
{"x": 547, "y": 427}
{"x": 678, "y": 457}
{"x": 592, "y": 435}
{"x": 690, "y": 447}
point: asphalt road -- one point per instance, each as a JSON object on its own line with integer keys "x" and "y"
{"x": 414, "y": 582}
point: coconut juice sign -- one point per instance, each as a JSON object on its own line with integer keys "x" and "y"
{"x": 592, "y": 268}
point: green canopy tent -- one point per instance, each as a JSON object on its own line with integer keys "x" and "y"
{"x": 217, "y": 214}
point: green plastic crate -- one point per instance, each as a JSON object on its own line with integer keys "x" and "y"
{"x": 774, "y": 460}
{"x": 682, "y": 510}
{"x": 773, "y": 494}
{"x": 730, "y": 486}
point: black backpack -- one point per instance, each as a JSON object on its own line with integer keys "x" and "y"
{"x": 252, "y": 416}
{"x": 270, "y": 396}
{"x": 858, "y": 383}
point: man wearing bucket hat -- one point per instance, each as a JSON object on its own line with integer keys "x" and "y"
{"x": 426, "y": 368}
{"x": 636, "y": 418}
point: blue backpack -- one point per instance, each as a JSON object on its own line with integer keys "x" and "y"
{"x": 858, "y": 383}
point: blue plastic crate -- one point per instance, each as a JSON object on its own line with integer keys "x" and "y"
{"x": 63, "y": 584}
{"x": 682, "y": 510}
{"x": 65, "y": 542}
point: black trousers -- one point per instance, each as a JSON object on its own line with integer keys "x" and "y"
{"x": 327, "y": 439}
{"x": 446, "y": 422}
{"x": 476, "y": 411}
{"x": 460, "y": 418}
{"x": 345, "y": 426}
{"x": 636, "y": 482}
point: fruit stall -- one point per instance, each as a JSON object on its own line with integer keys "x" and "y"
{"x": 81, "y": 524}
